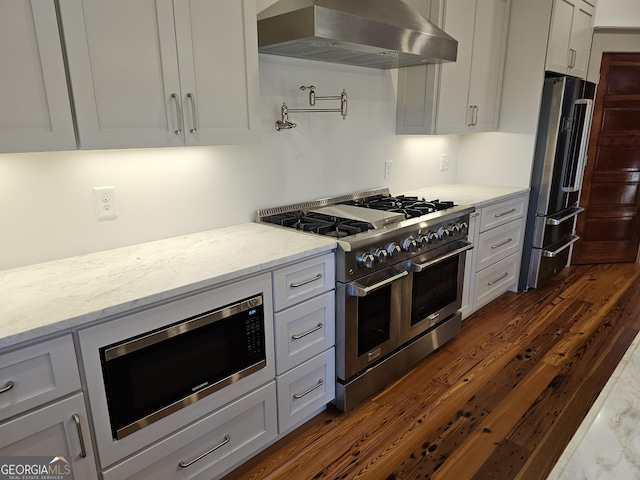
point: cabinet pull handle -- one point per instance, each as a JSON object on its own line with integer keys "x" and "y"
{"x": 298, "y": 336}
{"x": 226, "y": 440}
{"x": 178, "y": 113}
{"x": 493, "y": 247}
{"x": 307, "y": 392}
{"x": 470, "y": 124}
{"x": 498, "y": 215}
{"x": 504, "y": 275}
{"x": 572, "y": 57}
{"x": 300, "y": 284}
{"x": 475, "y": 121}
{"x": 83, "y": 450}
{"x": 7, "y": 386}
{"x": 194, "y": 115}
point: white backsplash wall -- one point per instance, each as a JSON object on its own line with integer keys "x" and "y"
{"x": 46, "y": 203}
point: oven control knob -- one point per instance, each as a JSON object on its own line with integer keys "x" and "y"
{"x": 393, "y": 249}
{"x": 432, "y": 236}
{"x": 463, "y": 226}
{"x": 366, "y": 260}
{"x": 443, "y": 232}
{"x": 454, "y": 229}
{"x": 380, "y": 255}
{"x": 422, "y": 241}
{"x": 409, "y": 244}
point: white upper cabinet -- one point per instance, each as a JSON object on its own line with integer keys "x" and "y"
{"x": 153, "y": 73}
{"x": 463, "y": 96}
{"x": 570, "y": 37}
{"x": 35, "y": 113}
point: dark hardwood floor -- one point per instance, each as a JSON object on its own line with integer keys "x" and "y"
{"x": 500, "y": 401}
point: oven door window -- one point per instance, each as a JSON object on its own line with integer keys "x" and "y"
{"x": 434, "y": 289}
{"x": 181, "y": 368}
{"x": 374, "y": 319}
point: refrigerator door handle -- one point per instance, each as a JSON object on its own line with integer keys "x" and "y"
{"x": 579, "y": 143}
{"x": 563, "y": 216}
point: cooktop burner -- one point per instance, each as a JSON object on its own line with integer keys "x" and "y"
{"x": 320, "y": 223}
{"x": 411, "y": 207}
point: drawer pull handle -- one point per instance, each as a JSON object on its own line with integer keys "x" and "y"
{"x": 307, "y": 392}
{"x": 8, "y": 386}
{"x": 493, "y": 247}
{"x": 226, "y": 440}
{"x": 300, "y": 284}
{"x": 298, "y": 336}
{"x": 504, "y": 275}
{"x": 498, "y": 215}
{"x": 83, "y": 450}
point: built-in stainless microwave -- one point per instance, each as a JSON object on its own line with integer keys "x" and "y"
{"x": 152, "y": 375}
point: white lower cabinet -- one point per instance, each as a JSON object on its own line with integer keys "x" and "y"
{"x": 210, "y": 447}
{"x": 305, "y": 389}
{"x": 60, "y": 429}
{"x": 497, "y": 233}
{"x": 493, "y": 281}
{"x": 304, "y": 303}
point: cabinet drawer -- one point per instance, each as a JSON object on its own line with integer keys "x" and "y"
{"x": 53, "y": 431}
{"x": 304, "y": 330}
{"x": 210, "y": 447}
{"x": 305, "y": 389}
{"x": 501, "y": 213}
{"x": 303, "y": 280}
{"x": 495, "y": 280}
{"x": 39, "y": 374}
{"x": 499, "y": 243}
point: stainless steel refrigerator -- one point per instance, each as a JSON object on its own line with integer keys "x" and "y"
{"x": 556, "y": 178}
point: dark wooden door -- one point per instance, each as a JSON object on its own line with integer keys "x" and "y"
{"x": 609, "y": 229}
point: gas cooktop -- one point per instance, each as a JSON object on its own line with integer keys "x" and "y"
{"x": 349, "y": 215}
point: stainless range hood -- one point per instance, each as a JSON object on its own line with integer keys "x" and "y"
{"x": 368, "y": 33}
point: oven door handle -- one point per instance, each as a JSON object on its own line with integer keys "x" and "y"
{"x": 356, "y": 290}
{"x": 413, "y": 267}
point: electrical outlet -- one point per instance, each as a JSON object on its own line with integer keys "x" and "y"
{"x": 444, "y": 162}
{"x": 388, "y": 167}
{"x": 104, "y": 199}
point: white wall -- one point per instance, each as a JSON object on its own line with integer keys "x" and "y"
{"x": 617, "y": 13}
{"x": 46, "y": 204}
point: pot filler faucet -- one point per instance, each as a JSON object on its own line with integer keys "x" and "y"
{"x": 285, "y": 124}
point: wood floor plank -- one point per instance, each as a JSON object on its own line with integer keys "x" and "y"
{"x": 499, "y": 401}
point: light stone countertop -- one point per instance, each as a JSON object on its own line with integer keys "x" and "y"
{"x": 463, "y": 194}
{"x": 55, "y": 296}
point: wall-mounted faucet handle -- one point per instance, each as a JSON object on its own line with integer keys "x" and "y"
{"x": 312, "y": 94}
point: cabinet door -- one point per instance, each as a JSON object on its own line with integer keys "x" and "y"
{"x": 453, "y": 107}
{"x": 218, "y": 58}
{"x": 35, "y": 112}
{"x": 560, "y": 36}
{"x": 581, "y": 32}
{"x": 123, "y": 68}
{"x": 487, "y": 64}
{"x": 418, "y": 85}
{"x": 58, "y": 430}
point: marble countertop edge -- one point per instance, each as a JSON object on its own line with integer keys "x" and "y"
{"x": 53, "y": 297}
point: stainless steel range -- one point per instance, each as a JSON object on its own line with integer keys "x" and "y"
{"x": 399, "y": 275}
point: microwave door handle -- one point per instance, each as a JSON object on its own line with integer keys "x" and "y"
{"x": 578, "y": 147}
{"x": 356, "y": 290}
{"x": 415, "y": 267}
